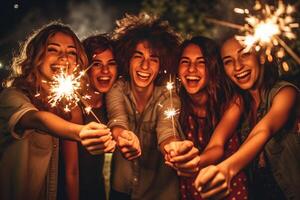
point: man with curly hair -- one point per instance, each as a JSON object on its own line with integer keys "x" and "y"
{"x": 146, "y": 50}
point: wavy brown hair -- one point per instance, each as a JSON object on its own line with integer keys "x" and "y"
{"x": 218, "y": 88}
{"x": 24, "y": 73}
{"x": 163, "y": 41}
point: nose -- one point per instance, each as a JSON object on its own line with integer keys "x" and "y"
{"x": 238, "y": 65}
{"x": 105, "y": 69}
{"x": 145, "y": 64}
{"x": 63, "y": 56}
{"x": 192, "y": 67}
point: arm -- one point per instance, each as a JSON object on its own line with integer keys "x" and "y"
{"x": 226, "y": 127}
{"x": 214, "y": 180}
{"x": 49, "y": 123}
{"x": 70, "y": 156}
{"x": 127, "y": 141}
{"x": 188, "y": 160}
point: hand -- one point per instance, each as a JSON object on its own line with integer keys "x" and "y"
{"x": 97, "y": 139}
{"x": 183, "y": 157}
{"x": 129, "y": 145}
{"x": 213, "y": 182}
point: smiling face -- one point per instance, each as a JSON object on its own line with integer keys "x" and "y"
{"x": 104, "y": 71}
{"x": 192, "y": 70}
{"x": 240, "y": 66}
{"x": 60, "y": 54}
{"x": 143, "y": 67}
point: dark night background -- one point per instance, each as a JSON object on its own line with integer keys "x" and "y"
{"x": 18, "y": 18}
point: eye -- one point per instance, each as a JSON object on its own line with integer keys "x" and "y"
{"x": 183, "y": 61}
{"x": 112, "y": 63}
{"x": 52, "y": 49}
{"x": 154, "y": 59}
{"x": 227, "y": 62}
{"x": 72, "y": 53}
{"x": 245, "y": 54}
{"x": 97, "y": 64}
{"x": 200, "y": 62}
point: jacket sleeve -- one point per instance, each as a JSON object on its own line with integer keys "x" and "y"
{"x": 166, "y": 127}
{"x": 116, "y": 108}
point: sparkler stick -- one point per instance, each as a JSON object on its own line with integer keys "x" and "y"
{"x": 171, "y": 112}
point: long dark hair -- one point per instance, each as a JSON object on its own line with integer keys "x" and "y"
{"x": 218, "y": 87}
{"x": 163, "y": 41}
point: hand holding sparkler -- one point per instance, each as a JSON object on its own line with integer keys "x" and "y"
{"x": 183, "y": 157}
{"x": 97, "y": 139}
{"x": 129, "y": 145}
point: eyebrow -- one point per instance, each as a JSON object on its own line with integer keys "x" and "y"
{"x": 140, "y": 53}
{"x": 56, "y": 44}
{"x": 239, "y": 51}
{"x": 198, "y": 58}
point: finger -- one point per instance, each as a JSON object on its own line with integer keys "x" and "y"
{"x": 170, "y": 165}
{"x": 204, "y": 176}
{"x": 111, "y": 147}
{"x": 123, "y": 142}
{"x": 95, "y": 141}
{"x": 95, "y": 125}
{"x": 85, "y": 134}
{"x": 192, "y": 164}
{"x": 126, "y": 135}
{"x": 134, "y": 156}
{"x": 185, "y": 157}
{"x": 215, "y": 191}
{"x": 185, "y": 147}
{"x": 218, "y": 180}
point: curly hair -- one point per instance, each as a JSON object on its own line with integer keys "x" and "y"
{"x": 97, "y": 43}
{"x": 218, "y": 88}
{"x": 163, "y": 41}
{"x": 25, "y": 74}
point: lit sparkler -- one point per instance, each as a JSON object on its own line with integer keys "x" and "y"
{"x": 171, "y": 112}
{"x": 264, "y": 31}
{"x": 65, "y": 90}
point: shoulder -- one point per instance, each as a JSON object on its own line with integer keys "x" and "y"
{"x": 12, "y": 95}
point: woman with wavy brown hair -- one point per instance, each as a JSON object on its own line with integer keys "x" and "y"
{"x": 29, "y": 126}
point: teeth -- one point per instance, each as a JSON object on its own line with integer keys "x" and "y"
{"x": 57, "y": 67}
{"x": 240, "y": 75}
{"x": 193, "y": 78}
{"x": 143, "y": 74}
{"x": 104, "y": 78}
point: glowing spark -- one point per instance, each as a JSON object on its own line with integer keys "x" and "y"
{"x": 170, "y": 85}
{"x": 88, "y": 109}
{"x": 170, "y": 113}
{"x": 64, "y": 88}
{"x": 263, "y": 30}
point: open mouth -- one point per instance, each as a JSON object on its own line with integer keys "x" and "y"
{"x": 192, "y": 80}
{"x": 58, "y": 68}
{"x": 104, "y": 80}
{"x": 143, "y": 75}
{"x": 243, "y": 75}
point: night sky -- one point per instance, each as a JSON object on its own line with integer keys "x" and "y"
{"x": 19, "y": 18}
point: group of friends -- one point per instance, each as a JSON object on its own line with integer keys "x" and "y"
{"x": 236, "y": 135}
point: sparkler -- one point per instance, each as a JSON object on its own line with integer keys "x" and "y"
{"x": 171, "y": 112}
{"x": 64, "y": 90}
{"x": 264, "y": 31}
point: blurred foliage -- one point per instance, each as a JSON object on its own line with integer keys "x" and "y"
{"x": 189, "y": 18}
